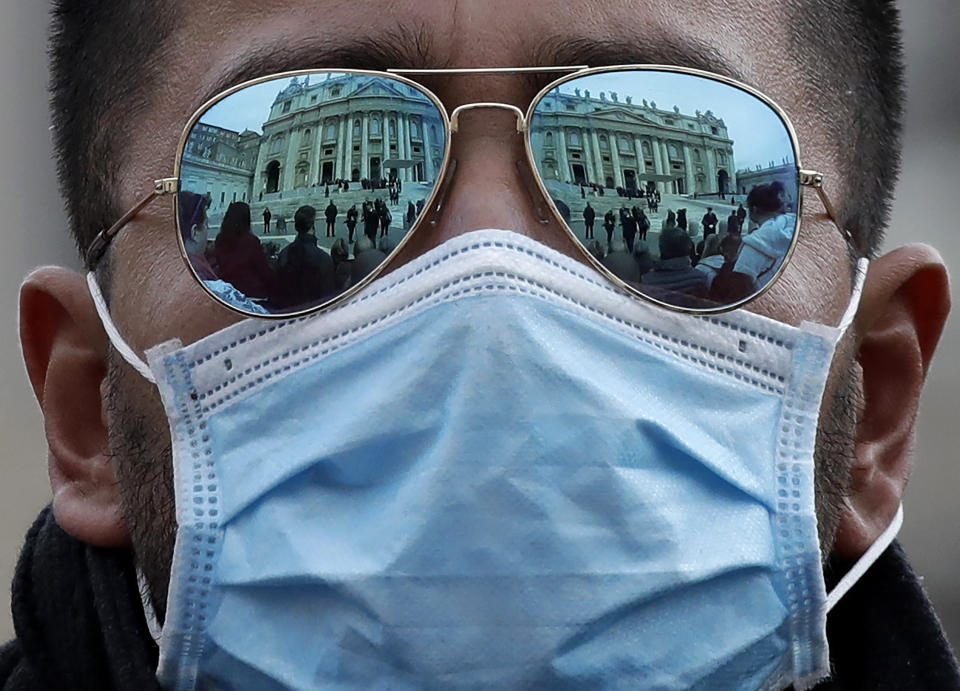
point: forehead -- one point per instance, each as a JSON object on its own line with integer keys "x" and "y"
{"x": 225, "y": 43}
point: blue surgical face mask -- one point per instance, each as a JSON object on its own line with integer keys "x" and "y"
{"x": 490, "y": 469}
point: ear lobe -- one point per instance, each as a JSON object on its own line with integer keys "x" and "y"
{"x": 905, "y": 304}
{"x": 65, "y": 349}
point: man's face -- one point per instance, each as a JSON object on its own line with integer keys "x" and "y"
{"x": 153, "y": 298}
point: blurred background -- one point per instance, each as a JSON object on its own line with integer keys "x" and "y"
{"x": 35, "y": 233}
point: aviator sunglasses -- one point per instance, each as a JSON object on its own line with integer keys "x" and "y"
{"x": 295, "y": 190}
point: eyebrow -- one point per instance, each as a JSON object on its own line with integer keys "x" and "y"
{"x": 410, "y": 47}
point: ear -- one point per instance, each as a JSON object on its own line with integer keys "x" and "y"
{"x": 905, "y": 303}
{"x": 65, "y": 350}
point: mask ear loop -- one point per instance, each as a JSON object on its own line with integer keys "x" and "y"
{"x": 116, "y": 340}
{"x": 867, "y": 560}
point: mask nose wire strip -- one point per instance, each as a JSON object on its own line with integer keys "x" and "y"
{"x": 867, "y": 560}
{"x": 116, "y": 340}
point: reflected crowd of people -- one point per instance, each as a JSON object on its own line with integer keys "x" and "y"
{"x": 270, "y": 274}
{"x": 733, "y": 259}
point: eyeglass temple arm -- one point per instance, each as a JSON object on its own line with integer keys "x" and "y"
{"x": 814, "y": 179}
{"x": 97, "y": 248}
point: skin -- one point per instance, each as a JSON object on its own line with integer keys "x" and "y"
{"x": 100, "y": 415}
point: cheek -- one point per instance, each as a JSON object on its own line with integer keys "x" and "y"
{"x": 155, "y": 298}
{"x": 815, "y": 286}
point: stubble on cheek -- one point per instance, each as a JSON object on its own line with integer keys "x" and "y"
{"x": 140, "y": 449}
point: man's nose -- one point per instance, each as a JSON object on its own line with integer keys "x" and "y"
{"x": 489, "y": 184}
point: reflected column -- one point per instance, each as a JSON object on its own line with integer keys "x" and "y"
{"x": 314, "y": 174}
{"x": 385, "y": 133}
{"x": 427, "y": 155}
{"x": 689, "y": 180}
{"x": 338, "y": 152}
{"x": 597, "y": 157}
{"x": 589, "y": 167}
{"x": 667, "y": 168}
{"x": 614, "y": 140}
{"x": 365, "y": 147}
{"x": 562, "y": 161}
{"x": 657, "y": 162}
{"x": 348, "y": 149}
{"x": 641, "y": 163}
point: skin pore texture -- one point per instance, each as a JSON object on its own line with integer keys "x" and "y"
{"x": 112, "y": 480}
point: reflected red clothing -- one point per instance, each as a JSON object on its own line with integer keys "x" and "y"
{"x": 242, "y": 263}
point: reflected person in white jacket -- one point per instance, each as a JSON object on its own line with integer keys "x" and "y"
{"x": 765, "y": 247}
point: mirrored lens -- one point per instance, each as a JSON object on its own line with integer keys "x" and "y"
{"x": 295, "y": 189}
{"x": 683, "y": 186}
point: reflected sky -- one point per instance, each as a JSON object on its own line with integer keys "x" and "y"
{"x": 758, "y": 134}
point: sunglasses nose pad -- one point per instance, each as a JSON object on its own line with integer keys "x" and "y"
{"x": 445, "y": 185}
{"x": 536, "y": 195}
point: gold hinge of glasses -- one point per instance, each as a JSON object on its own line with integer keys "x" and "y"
{"x": 161, "y": 188}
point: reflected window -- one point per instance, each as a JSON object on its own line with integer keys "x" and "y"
{"x": 286, "y": 106}
{"x": 624, "y": 144}
{"x": 356, "y": 128}
{"x": 414, "y": 128}
{"x": 696, "y": 155}
{"x": 645, "y": 146}
{"x": 331, "y": 131}
{"x": 548, "y": 139}
{"x": 307, "y": 136}
{"x": 393, "y": 127}
{"x": 375, "y": 127}
{"x": 574, "y": 139}
{"x": 604, "y": 144}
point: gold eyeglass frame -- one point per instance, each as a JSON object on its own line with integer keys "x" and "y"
{"x": 434, "y": 204}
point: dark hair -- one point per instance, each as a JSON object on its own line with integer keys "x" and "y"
{"x": 767, "y": 199}
{"x": 192, "y": 210}
{"x": 103, "y": 58}
{"x": 105, "y": 55}
{"x": 304, "y": 218}
{"x": 235, "y": 222}
{"x": 674, "y": 242}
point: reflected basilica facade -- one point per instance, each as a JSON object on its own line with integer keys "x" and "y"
{"x": 603, "y": 140}
{"x": 349, "y": 127}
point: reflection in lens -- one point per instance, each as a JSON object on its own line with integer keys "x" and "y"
{"x": 294, "y": 190}
{"x": 646, "y": 186}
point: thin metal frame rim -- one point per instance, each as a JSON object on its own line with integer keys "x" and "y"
{"x": 163, "y": 186}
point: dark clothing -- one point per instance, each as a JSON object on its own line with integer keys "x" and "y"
{"x": 728, "y": 286}
{"x": 78, "y": 617}
{"x": 367, "y": 261}
{"x": 241, "y": 262}
{"x": 676, "y": 275}
{"x": 371, "y": 223}
{"x": 80, "y": 625}
{"x": 352, "y": 215}
{"x": 609, "y": 223}
{"x": 589, "y": 214}
{"x": 623, "y": 266}
{"x": 643, "y": 223}
{"x": 709, "y": 223}
{"x": 306, "y": 271}
{"x": 330, "y": 213}
{"x": 629, "y": 226}
{"x": 733, "y": 224}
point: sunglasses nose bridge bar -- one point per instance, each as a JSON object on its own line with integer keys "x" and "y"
{"x": 455, "y": 115}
